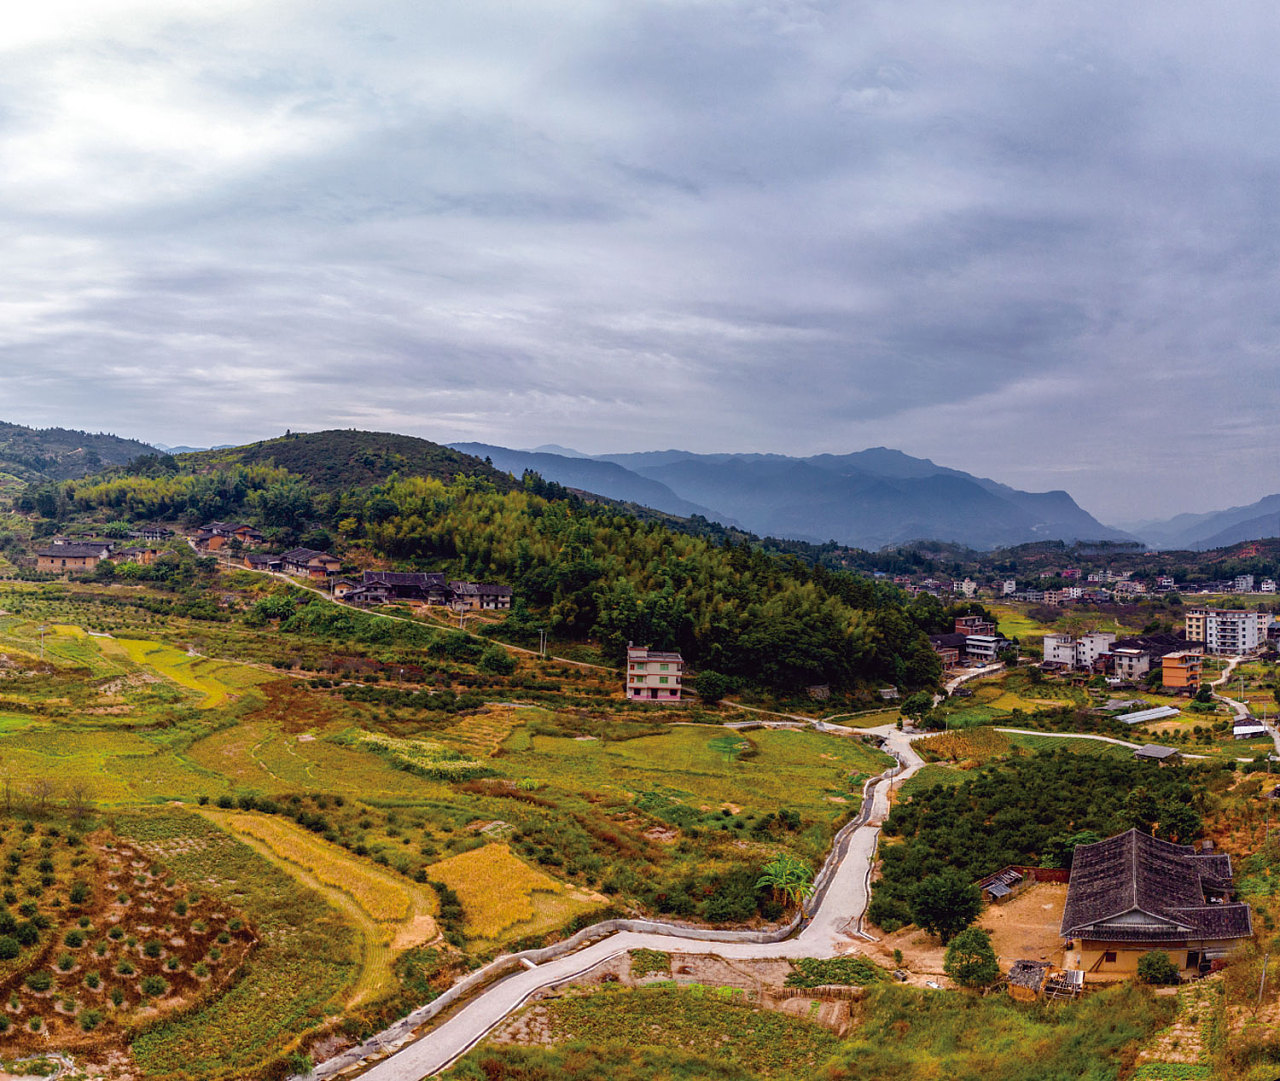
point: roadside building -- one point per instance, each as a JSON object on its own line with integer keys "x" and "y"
{"x": 967, "y": 625}
{"x": 653, "y": 675}
{"x": 1133, "y": 893}
{"x": 308, "y": 563}
{"x": 1162, "y": 756}
{"x": 985, "y": 648}
{"x": 949, "y": 648}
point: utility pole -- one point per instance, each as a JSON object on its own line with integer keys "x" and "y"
{"x": 43, "y": 628}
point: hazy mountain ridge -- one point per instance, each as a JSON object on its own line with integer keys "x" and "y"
{"x": 589, "y": 474}
{"x": 866, "y": 499}
{"x": 1215, "y": 529}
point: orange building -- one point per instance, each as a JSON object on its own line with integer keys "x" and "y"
{"x": 1182, "y": 670}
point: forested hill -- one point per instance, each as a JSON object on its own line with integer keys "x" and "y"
{"x": 584, "y": 570}
{"x": 35, "y": 454}
{"x": 346, "y": 458}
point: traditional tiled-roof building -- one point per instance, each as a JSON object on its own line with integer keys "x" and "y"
{"x": 1133, "y": 893}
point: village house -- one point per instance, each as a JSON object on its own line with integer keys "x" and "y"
{"x": 653, "y": 675}
{"x": 63, "y": 558}
{"x": 308, "y": 563}
{"x": 256, "y": 561}
{"x": 153, "y": 533}
{"x": 214, "y": 536}
{"x": 1133, "y": 893}
{"x": 142, "y": 555}
{"x": 426, "y": 587}
{"x": 478, "y": 596}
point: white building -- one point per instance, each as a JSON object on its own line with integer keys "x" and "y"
{"x": 1232, "y": 632}
{"x": 1009, "y": 587}
{"x": 1131, "y": 664}
{"x": 984, "y": 647}
{"x": 653, "y": 675}
{"x": 1267, "y": 585}
{"x": 1243, "y": 583}
{"x": 1077, "y": 652}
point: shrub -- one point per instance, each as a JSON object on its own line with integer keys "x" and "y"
{"x": 90, "y": 1019}
{"x": 1155, "y": 967}
{"x": 125, "y": 967}
{"x": 223, "y": 938}
{"x": 9, "y": 948}
{"x": 79, "y": 893}
{"x": 201, "y": 970}
{"x": 74, "y": 939}
{"x": 40, "y": 981}
{"x": 66, "y": 962}
{"x": 154, "y": 986}
{"x": 93, "y": 981}
{"x": 35, "y": 1024}
{"x": 26, "y": 933}
{"x": 152, "y": 949}
{"x": 117, "y": 996}
{"x": 116, "y": 933}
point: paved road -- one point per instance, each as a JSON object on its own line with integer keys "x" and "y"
{"x": 832, "y": 929}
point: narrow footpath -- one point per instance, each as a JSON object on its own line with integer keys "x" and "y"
{"x": 832, "y": 927}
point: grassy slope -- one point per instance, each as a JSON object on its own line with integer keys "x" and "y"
{"x": 902, "y": 1035}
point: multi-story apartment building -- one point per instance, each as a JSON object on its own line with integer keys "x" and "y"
{"x": 1227, "y": 630}
{"x": 1243, "y": 583}
{"x": 653, "y": 675}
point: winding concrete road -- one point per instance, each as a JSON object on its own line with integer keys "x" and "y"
{"x": 834, "y": 925}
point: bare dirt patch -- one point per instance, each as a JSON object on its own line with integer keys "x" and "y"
{"x": 1023, "y": 928}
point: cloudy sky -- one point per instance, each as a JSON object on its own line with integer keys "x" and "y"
{"x": 1037, "y": 241}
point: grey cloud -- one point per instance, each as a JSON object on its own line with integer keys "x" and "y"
{"x": 1023, "y": 241}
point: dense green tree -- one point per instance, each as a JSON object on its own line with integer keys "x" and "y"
{"x": 970, "y": 960}
{"x": 945, "y": 904}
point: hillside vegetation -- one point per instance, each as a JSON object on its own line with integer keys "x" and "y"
{"x": 584, "y": 571}
{"x": 36, "y": 454}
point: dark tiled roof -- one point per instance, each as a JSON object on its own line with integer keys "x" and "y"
{"x": 1030, "y": 974}
{"x": 73, "y": 551}
{"x": 1156, "y": 888}
{"x": 304, "y": 555}
{"x": 948, "y": 641}
{"x": 417, "y": 579}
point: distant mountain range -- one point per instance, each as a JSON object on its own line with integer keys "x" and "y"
{"x": 868, "y": 499}
{"x": 1216, "y": 529}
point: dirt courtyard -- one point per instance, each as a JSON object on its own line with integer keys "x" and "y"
{"x": 1025, "y": 928}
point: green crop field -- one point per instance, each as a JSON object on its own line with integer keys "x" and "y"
{"x": 128, "y": 714}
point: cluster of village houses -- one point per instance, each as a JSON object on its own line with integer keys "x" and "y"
{"x": 1097, "y": 587}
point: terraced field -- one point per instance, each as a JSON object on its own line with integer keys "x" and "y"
{"x": 391, "y": 914}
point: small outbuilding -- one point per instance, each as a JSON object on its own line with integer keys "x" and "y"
{"x": 1164, "y": 756}
{"x": 1027, "y": 978}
